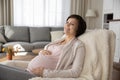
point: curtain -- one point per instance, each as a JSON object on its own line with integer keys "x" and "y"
{"x": 6, "y": 12}
{"x": 41, "y": 12}
{"x": 78, "y": 7}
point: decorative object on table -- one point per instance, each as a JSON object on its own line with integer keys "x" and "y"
{"x": 9, "y": 52}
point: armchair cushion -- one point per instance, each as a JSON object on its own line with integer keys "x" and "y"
{"x": 100, "y": 48}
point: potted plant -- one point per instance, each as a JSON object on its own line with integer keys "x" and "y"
{"x": 9, "y": 52}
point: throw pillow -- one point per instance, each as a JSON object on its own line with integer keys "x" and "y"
{"x": 2, "y": 39}
{"x": 56, "y": 35}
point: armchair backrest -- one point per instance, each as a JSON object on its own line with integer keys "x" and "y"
{"x": 100, "y": 48}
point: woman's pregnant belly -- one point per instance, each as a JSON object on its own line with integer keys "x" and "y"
{"x": 46, "y": 61}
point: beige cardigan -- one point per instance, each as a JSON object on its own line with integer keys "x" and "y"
{"x": 71, "y": 60}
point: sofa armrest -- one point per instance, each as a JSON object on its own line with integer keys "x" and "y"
{"x": 1, "y": 47}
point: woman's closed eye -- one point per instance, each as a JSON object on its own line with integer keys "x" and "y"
{"x": 70, "y": 23}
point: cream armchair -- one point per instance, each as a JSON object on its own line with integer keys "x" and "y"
{"x": 100, "y": 48}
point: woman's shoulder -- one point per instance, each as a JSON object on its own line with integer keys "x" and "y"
{"x": 79, "y": 43}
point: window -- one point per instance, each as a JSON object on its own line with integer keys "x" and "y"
{"x": 41, "y": 12}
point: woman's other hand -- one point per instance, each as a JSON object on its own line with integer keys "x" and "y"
{"x": 38, "y": 71}
{"x": 45, "y": 52}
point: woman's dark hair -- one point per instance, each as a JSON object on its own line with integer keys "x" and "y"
{"x": 81, "y": 24}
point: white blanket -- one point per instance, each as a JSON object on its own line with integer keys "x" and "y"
{"x": 100, "y": 47}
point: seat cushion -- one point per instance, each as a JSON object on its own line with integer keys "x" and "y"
{"x": 39, "y": 34}
{"x": 23, "y": 46}
{"x": 17, "y": 33}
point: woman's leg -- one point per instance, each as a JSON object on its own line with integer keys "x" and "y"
{"x": 11, "y": 73}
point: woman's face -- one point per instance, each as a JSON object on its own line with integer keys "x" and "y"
{"x": 71, "y": 27}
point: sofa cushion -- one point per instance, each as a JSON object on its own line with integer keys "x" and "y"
{"x": 56, "y": 35}
{"x": 57, "y": 28}
{"x": 38, "y": 45}
{"x": 39, "y": 34}
{"x": 1, "y": 47}
{"x": 17, "y": 33}
{"x": 24, "y": 46}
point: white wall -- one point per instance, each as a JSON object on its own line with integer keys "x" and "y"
{"x": 116, "y": 9}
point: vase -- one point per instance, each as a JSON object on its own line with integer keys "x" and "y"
{"x": 9, "y": 56}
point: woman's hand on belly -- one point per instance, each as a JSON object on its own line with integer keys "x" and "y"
{"x": 45, "y": 52}
{"x": 38, "y": 71}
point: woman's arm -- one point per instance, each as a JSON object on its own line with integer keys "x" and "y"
{"x": 74, "y": 71}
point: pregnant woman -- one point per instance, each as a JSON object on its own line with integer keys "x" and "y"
{"x": 64, "y": 57}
